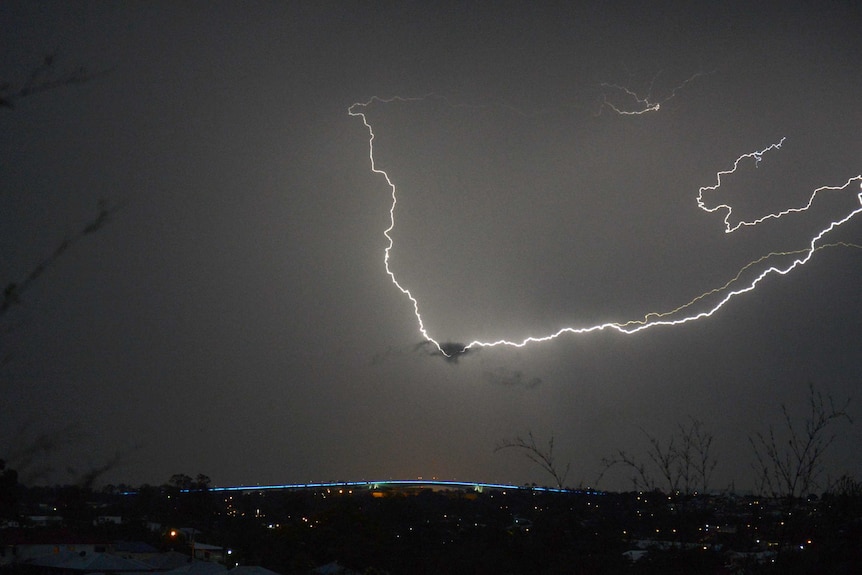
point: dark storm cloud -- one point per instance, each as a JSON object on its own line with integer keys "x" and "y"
{"x": 450, "y": 351}
{"x": 511, "y": 378}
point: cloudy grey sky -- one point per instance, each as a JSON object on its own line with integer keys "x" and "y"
{"x": 235, "y": 317}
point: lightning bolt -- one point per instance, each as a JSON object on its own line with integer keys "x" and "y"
{"x": 644, "y": 104}
{"x": 676, "y": 316}
{"x": 387, "y": 232}
{"x": 758, "y": 156}
{"x": 735, "y": 279}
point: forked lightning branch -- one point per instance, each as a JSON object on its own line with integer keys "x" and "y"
{"x": 695, "y": 309}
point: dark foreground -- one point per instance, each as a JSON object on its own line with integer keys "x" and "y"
{"x": 420, "y": 530}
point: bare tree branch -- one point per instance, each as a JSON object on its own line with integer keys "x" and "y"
{"x": 14, "y": 290}
{"x": 544, "y": 458}
{"x": 684, "y": 462}
{"x": 43, "y": 78}
{"x": 791, "y": 467}
{"x": 641, "y": 480}
{"x": 704, "y": 462}
{"x": 665, "y": 458}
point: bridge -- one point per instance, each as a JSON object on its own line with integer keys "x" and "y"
{"x": 371, "y": 485}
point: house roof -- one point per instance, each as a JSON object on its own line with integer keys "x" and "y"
{"x": 90, "y": 562}
{"x": 198, "y": 568}
{"x": 251, "y": 570}
{"x": 49, "y": 537}
{"x": 134, "y": 547}
{"x": 208, "y": 547}
{"x": 168, "y": 560}
{"x": 333, "y": 568}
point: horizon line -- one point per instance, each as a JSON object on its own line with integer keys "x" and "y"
{"x": 475, "y": 485}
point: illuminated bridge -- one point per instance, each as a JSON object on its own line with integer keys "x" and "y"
{"x": 432, "y": 483}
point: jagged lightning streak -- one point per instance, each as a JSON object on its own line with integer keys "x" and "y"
{"x": 651, "y": 319}
{"x": 736, "y": 279}
{"x": 635, "y": 326}
{"x": 758, "y": 157}
{"x": 644, "y": 104}
{"x": 353, "y": 112}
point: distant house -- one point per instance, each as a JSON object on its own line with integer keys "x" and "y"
{"x": 63, "y": 553}
{"x": 44, "y": 520}
{"x": 155, "y": 527}
{"x": 108, "y": 520}
{"x": 84, "y": 562}
{"x": 166, "y": 561}
{"x": 333, "y": 568}
{"x": 136, "y": 550}
{"x": 211, "y": 553}
{"x": 24, "y": 545}
{"x": 251, "y": 570}
{"x": 198, "y": 568}
{"x": 635, "y": 554}
{"x": 134, "y": 547}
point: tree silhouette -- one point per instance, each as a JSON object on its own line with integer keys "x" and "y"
{"x": 544, "y": 458}
{"x": 790, "y": 464}
{"x": 44, "y": 77}
{"x": 684, "y": 462}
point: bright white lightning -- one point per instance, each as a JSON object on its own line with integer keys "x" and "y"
{"x": 758, "y": 156}
{"x": 737, "y": 278}
{"x": 651, "y": 319}
{"x": 352, "y": 111}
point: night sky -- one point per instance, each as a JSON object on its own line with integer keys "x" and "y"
{"x": 235, "y": 318}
